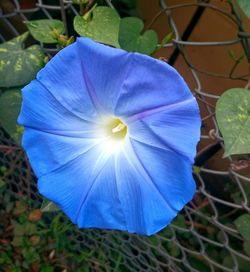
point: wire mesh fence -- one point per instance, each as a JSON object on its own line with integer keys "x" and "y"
{"x": 203, "y": 236}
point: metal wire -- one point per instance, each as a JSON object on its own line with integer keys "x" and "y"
{"x": 180, "y": 246}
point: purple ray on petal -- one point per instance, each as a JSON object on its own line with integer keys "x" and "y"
{"x": 157, "y": 109}
{"x": 90, "y": 89}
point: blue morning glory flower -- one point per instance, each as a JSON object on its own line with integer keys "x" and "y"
{"x": 111, "y": 136}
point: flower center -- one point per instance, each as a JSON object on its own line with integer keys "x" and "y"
{"x": 116, "y": 129}
{"x": 112, "y": 134}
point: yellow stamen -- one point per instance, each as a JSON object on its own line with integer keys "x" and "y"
{"x": 119, "y": 128}
{"x": 116, "y": 129}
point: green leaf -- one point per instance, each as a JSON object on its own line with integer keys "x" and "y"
{"x": 17, "y": 241}
{"x": 173, "y": 249}
{"x": 243, "y": 265}
{"x": 199, "y": 264}
{"x": 245, "y": 6}
{"x": 47, "y": 269}
{"x": 233, "y": 117}
{"x": 30, "y": 254}
{"x": 49, "y": 206}
{"x": 179, "y": 221}
{"x": 154, "y": 240}
{"x": 242, "y": 223}
{"x": 132, "y": 39}
{"x": 45, "y": 30}
{"x": 19, "y": 66}
{"x": 22, "y": 229}
{"x": 2, "y": 184}
{"x": 228, "y": 261}
{"x": 10, "y": 104}
{"x": 103, "y": 27}
{"x": 246, "y": 247}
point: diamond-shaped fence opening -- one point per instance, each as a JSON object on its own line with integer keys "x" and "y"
{"x": 203, "y": 237}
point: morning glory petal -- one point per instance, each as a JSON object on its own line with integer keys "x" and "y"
{"x": 80, "y": 81}
{"x": 97, "y": 209}
{"x": 87, "y": 193}
{"x": 171, "y": 173}
{"x": 149, "y": 85}
{"x": 174, "y": 127}
{"x": 64, "y": 77}
{"x": 105, "y": 73}
{"x": 60, "y": 134}
{"x": 51, "y": 151}
{"x": 105, "y": 182}
{"x": 40, "y": 110}
{"x": 146, "y": 209}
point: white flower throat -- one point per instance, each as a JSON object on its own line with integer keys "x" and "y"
{"x": 114, "y": 131}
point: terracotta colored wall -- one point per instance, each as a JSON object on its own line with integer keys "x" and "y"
{"x": 211, "y": 27}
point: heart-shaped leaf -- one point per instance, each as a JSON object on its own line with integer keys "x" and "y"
{"x": 19, "y": 66}
{"x": 245, "y": 6}
{"x": 10, "y": 104}
{"x": 45, "y": 30}
{"x": 242, "y": 223}
{"x": 233, "y": 117}
{"x": 131, "y": 39}
{"x": 246, "y": 247}
{"x": 103, "y": 27}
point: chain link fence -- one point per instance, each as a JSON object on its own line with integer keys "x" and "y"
{"x": 203, "y": 237}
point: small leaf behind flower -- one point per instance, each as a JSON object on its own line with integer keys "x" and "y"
{"x": 102, "y": 27}
{"x": 242, "y": 223}
{"x": 233, "y": 117}
{"x": 19, "y": 66}
{"x": 132, "y": 39}
{"x": 45, "y": 30}
{"x": 48, "y": 206}
{"x": 245, "y": 6}
{"x": 10, "y": 104}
